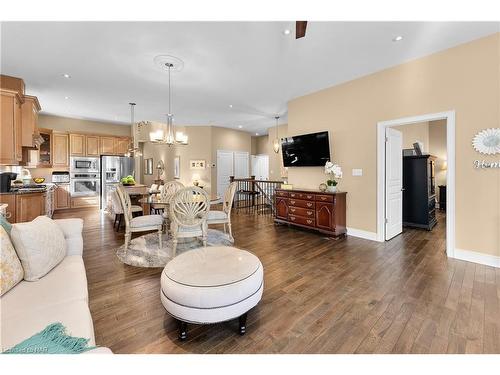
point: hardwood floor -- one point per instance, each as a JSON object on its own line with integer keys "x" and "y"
{"x": 320, "y": 296}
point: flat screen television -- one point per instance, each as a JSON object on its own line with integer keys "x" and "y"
{"x": 307, "y": 150}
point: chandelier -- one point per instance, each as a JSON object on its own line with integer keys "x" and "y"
{"x": 166, "y": 134}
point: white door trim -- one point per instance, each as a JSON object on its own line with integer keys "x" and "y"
{"x": 449, "y": 116}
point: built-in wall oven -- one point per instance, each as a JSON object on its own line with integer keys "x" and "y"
{"x": 85, "y": 184}
{"x": 84, "y": 165}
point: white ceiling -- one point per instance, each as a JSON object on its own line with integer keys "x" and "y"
{"x": 251, "y": 65}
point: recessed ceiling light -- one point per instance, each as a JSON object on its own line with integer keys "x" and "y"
{"x": 230, "y": 106}
{"x": 397, "y": 38}
{"x": 256, "y": 133}
{"x": 66, "y": 75}
{"x": 286, "y": 32}
{"x": 66, "y": 97}
{"x": 240, "y": 126}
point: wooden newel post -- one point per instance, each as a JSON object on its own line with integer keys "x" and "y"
{"x": 252, "y": 189}
{"x": 231, "y": 179}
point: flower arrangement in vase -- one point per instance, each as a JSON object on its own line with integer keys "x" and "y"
{"x": 335, "y": 171}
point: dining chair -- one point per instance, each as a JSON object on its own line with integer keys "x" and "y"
{"x": 169, "y": 190}
{"x": 117, "y": 209}
{"x": 224, "y": 216}
{"x": 188, "y": 215}
{"x": 140, "y": 223}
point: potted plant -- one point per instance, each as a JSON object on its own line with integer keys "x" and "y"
{"x": 335, "y": 172}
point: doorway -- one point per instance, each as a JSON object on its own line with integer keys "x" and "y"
{"x": 230, "y": 163}
{"x": 393, "y": 138}
{"x": 260, "y": 167}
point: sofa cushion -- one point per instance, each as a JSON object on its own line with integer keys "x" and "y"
{"x": 40, "y": 246}
{"x": 65, "y": 283}
{"x": 72, "y": 230}
{"x": 11, "y": 271}
{"x": 75, "y": 316}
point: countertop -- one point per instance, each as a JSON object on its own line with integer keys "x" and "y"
{"x": 48, "y": 187}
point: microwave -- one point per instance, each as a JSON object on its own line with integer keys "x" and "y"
{"x": 81, "y": 164}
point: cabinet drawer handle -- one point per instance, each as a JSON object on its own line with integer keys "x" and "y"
{"x": 292, "y": 202}
{"x": 309, "y": 221}
{"x": 309, "y": 197}
{"x": 309, "y": 205}
{"x": 309, "y": 213}
{"x": 292, "y": 209}
{"x": 323, "y": 198}
{"x": 292, "y": 218}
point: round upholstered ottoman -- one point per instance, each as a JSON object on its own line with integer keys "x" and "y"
{"x": 211, "y": 285}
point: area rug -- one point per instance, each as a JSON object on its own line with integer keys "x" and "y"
{"x": 143, "y": 251}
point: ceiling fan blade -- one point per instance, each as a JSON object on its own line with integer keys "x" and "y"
{"x": 300, "y": 29}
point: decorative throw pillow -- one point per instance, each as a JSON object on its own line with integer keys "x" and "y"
{"x": 11, "y": 271}
{"x": 5, "y": 224}
{"x": 40, "y": 246}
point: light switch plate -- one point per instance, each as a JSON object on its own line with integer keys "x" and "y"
{"x": 357, "y": 172}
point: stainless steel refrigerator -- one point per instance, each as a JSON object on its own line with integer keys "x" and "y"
{"x": 113, "y": 168}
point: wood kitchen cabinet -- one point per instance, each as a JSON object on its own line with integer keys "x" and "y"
{"x": 29, "y": 206}
{"x": 121, "y": 146}
{"x": 60, "y": 150}
{"x": 92, "y": 145}
{"x": 107, "y": 145}
{"x": 77, "y": 144}
{"x": 11, "y": 152}
{"x": 10, "y": 200}
{"x": 62, "y": 197}
{"x": 45, "y": 151}
{"x": 30, "y": 109}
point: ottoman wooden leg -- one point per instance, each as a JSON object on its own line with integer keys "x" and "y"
{"x": 182, "y": 330}
{"x": 243, "y": 323}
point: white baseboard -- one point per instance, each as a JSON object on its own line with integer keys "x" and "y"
{"x": 475, "y": 257}
{"x": 362, "y": 234}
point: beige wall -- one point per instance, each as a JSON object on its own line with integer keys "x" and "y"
{"x": 67, "y": 124}
{"x": 415, "y": 132}
{"x": 204, "y": 141}
{"x": 465, "y": 79}
{"x": 264, "y": 145}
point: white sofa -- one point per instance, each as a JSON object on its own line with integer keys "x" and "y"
{"x": 60, "y": 296}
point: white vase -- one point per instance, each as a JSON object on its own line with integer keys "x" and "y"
{"x": 331, "y": 189}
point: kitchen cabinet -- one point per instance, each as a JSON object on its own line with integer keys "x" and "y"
{"x": 60, "y": 150}
{"x": 62, "y": 197}
{"x": 107, "y": 145}
{"x": 45, "y": 151}
{"x": 92, "y": 145}
{"x": 77, "y": 144}
{"x": 10, "y": 128}
{"x": 121, "y": 146}
{"x": 9, "y": 199}
{"x": 29, "y": 206}
{"x": 79, "y": 202}
{"x": 29, "y": 120}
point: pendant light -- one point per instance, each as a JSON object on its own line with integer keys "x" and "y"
{"x": 133, "y": 151}
{"x": 276, "y": 142}
{"x": 167, "y": 135}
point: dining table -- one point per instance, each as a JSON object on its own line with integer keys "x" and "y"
{"x": 158, "y": 202}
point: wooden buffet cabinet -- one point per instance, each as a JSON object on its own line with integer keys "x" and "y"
{"x": 321, "y": 211}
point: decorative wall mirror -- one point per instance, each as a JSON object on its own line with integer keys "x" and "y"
{"x": 148, "y": 166}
